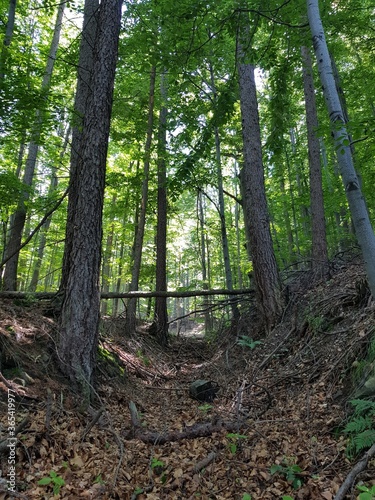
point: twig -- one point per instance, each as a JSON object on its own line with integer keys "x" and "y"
{"x": 204, "y": 462}
{"x": 48, "y": 410}
{"x": 350, "y": 478}
{"x": 93, "y": 422}
{"x": 121, "y": 449}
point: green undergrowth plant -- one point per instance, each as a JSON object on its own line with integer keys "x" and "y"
{"x": 54, "y": 480}
{"x": 246, "y": 341}
{"x": 361, "y": 427}
{"x": 233, "y": 440}
{"x": 367, "y": 493}
{"x": 291, "y": 472}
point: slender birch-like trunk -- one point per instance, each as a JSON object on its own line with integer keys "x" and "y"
{"x": 363, "y": 229}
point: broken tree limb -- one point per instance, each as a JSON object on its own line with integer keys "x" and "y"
{"x": 350, "y": 478}
{"x": 204, "y": 462}
{"x": 189, "y": 432}
{"x": 129, "y": 295}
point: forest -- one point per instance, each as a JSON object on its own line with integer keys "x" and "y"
{"x": 187, "y": 255}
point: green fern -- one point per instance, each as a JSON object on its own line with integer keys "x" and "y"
{"x": 364, "y": 440}
{"x": 361, "y": 427}
{"x": 358, "y": 424}
{"x": 363, "y": 405}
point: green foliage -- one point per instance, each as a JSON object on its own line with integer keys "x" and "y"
{"x": 145, "y": 360}
{"x": 367, "y": 493}
{"x": 233, "y": 439}
{"x": 205, "y": 408}
{"x": 53, "y": 479}
{"x": 246, "y": 496}
{"x": 246, "y": 341}
{"x": 361, "y": 426}
{"x": 290, "y": 471}
{"x": 99, "y": 479}
{"x": 316, "y": 323}
{"x": 158, "y": 467}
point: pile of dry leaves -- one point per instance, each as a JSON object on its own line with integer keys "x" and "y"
{"x": 272, "y": 430}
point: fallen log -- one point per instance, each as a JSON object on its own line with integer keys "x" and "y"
{"x": 129, "y": 295}
{"x": 189, "y": 432}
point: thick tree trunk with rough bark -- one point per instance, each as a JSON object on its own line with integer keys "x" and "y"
{"x": 83, "y": 89}
{"x": 363, "y": 229}
{"x": 79, "y": 321}
{"x": 318, "y": 227}
{"x": 254, "y": 201}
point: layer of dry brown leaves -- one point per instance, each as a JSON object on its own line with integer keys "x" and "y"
{"x": 287, "y": 397}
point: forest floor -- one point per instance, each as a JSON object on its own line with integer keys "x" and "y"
{"x": 272, "y": 430}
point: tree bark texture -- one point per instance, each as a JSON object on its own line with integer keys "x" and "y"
{"x": 318, "y": 227}
{"x": 83, "y": 89}
{"x": 79, "y": 322}
{"x": 363, "y": 229}
{"x": 254, "y": 201}
{"x": 161, "y": 316}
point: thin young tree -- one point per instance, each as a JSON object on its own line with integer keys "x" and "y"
{"x": 19, "y": 217}
{"x": 318, "y": 226}
{"x": 161, "y": 315}
{"x": 8, "y": 35}
{"x": 141, "y": 223}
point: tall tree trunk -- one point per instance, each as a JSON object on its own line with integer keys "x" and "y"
{"x": 79, "y": 321}
{"x": 84, "y": 74}
{"x": 44, "y": 229}
{"x": 107, "y": 262}
{"x": 254, "y": 196}
{"x": 318, "y": 226}
{"x": 223, "y": 226}
{"x": 364, "y": 231}
{"x": 138, "y": 240}
{"x": 19, "y": 218}
{"x": 201, "y": 218}
{"x": 8, "y": 35}
{"x": 161, "y": 316}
